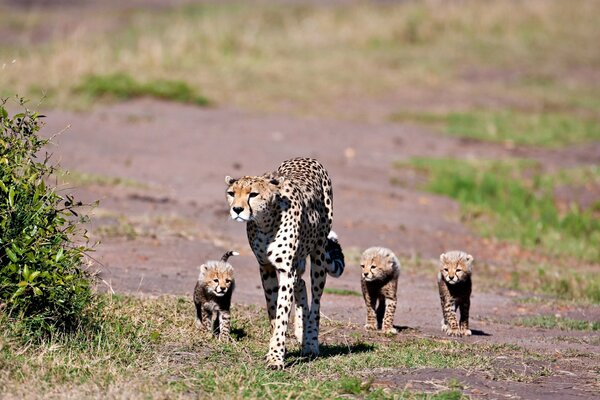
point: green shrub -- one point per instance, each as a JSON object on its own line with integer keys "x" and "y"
{"x": 42, "y": 282}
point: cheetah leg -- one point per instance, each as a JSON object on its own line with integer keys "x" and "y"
{"x": 370, "y": 303}
{"x": 198, "y": 321}
{"x": 449, "y": 324}
{"x": 301, "y": 304}
{"x": 224, "y": 325}
{"x": 450, "y": 318}
{"x": 464, "y": 318}
{"x": 388, "y": 317}
{"x": 287, "y": 280}
{"x": 269, "y": 282}
{"x": 310, "y": 343}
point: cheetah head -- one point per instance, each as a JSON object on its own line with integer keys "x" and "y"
{"x": 217, "y": 277}
{"x": 455, "y": 266}
{"x": 377, "y": 264}
{"x": 251, "y": 197}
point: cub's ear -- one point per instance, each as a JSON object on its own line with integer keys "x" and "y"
{"x": 203, "y": 268}
{"x": 229, "y": 180}
{"x": 443, "y": 257}
{"x": 469, "y": 260}
{"x": 276, "y": 181}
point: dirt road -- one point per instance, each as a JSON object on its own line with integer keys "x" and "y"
{"x": 168, "y": 214}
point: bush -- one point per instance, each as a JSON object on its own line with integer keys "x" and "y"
{"x": 42, "y": 282}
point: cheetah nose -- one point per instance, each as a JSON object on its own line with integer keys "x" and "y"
{"x": 365, "y": 273}
{"x": 238, "y": 210}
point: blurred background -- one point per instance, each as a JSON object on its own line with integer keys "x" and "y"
{"x": 444, "y": 124}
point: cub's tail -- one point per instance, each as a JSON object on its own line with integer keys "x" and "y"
{"x": 229, "y": 254}
{"x": 334, "y": 256}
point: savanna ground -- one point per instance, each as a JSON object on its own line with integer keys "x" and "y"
{"x": 470, "y": 125}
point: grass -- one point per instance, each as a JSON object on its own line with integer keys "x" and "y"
{"x": 122, "y": 87}
{"x": 541, "y": 129}
{"x": 305, "y": 57}
{"x": 76, "y": 178}
{"x": 342, "y": 292}
{"x": 559, "y": 282}
{"x": 553, "y": 322}
{"x": 149, "y": 348}
{"x": 512, "y": 200}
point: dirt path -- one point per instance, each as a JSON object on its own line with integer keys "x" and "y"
{"x": 173, "y": 159}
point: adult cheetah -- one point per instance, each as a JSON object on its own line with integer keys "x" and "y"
{"x": 288, "y": 215}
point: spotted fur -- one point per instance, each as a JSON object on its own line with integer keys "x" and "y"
{"x": 288, "y": 214}
{"x": 212, "y": 296}
{"x": 454, "y": 282}
{"x": 379, "y": 282}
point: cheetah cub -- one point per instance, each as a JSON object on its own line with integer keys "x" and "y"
{"x": 454, "y": 282}
{"x": 212, "y": 296}
{"x": 379, "y": 281}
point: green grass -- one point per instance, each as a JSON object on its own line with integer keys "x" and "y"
{"x": 122, "y": 87}
{"x": 559, "y": 282}
{"x": 542, "y": 129}
{"x": 512, "y": 200}
{"x": 553, "y": 322}
{"x": 342, "y": 292}
{"x": 149, "y": 348}
{"x": 76, "y": 178}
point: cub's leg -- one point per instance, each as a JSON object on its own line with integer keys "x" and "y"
{"x": 301, "y": 304}
{"x": 224, "y": 325}
{"x": 287, "y": 280}
{"x": 388, "y": 317}
{"x": 198, "y": 321}
{"x": 464, "y": 317}
{"x": 270, "y": 286}
{"x": 370, "y": 303}
{"x": 389, "y": 294}
{"x": 450, "y": 325}
{"x": 310, "y": 343}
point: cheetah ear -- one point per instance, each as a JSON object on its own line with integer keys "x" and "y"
{"x": 229, "y": 180}
{"x": 276, "y": 181}
{"x": 203, "y": 268}
{"x": 443, "y": 257}
{"x": 469, "y": 261}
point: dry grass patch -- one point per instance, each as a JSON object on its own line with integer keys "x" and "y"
{"x": 302, "y": 57}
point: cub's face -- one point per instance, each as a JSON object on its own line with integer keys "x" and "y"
{"x": 250, "y": 197}
{"x": 375, "y": 267}
{"x": 455, "y": 266}
{"x": 217, "y": 280}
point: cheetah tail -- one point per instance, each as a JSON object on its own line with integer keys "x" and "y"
{"x": 229, "y": 254}
{"x": 334, "y": 256}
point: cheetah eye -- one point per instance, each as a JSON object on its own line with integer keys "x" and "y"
{"x": 446, "y": 269}
{"x": 252, "y": 194}
{"x": 362, "y": 265}
{"x": 228, "y": 280}
{"x": 216, "y": 280}
{"x": 231, "y": 194}
{"x": 458, "y": 270}
{"x": 373, "y": 266}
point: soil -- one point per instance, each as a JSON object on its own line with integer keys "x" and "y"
{"x": 173, "y": 160}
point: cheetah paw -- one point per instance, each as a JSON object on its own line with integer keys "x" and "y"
{"x": 225, "y": 338}
{"x": 275, "y": 361}
{"x": 370, "y": 327}
{"x": 453, "y": 332}
{"x": 310, "y": 349}
{"x": 390, "y": 330}
{"x": 466, "y": 332}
